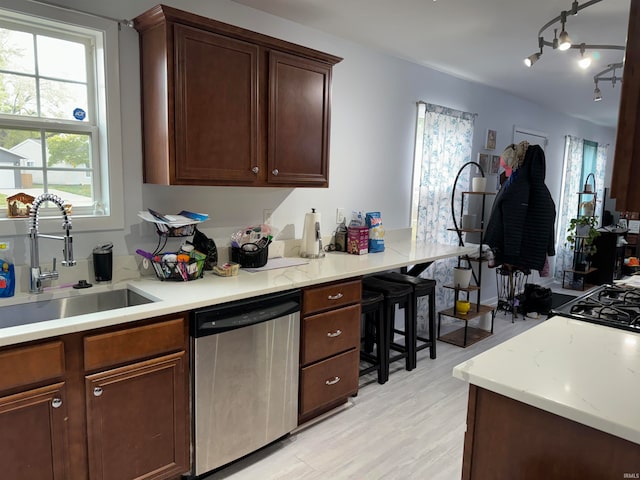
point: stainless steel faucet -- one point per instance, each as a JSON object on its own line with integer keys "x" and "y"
{"x": 37, "y": 275}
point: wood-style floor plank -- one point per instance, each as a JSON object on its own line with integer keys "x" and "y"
{"x": 412, "y": 427}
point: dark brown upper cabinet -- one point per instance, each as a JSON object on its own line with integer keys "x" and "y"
{"x": 626, "y": 167}
{"x": 225, "y": 106}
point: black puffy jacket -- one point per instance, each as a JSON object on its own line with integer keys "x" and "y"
{"x": 521, "y": 225}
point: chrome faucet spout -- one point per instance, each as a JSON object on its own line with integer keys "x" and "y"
{"x": 37, "y": 276}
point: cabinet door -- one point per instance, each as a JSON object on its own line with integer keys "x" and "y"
{"x": 33, "y": 435}
{"x": 216, "y": 109}
{"x": 298, "y": 140}
{"x": 137, "y": 421}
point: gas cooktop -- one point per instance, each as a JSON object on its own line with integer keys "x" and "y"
{"x": 615, "y": 306}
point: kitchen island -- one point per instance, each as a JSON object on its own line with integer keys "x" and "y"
{"x": 558, "y": 401}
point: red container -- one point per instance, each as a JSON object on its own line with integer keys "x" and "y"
{"x": 358, "y": 240}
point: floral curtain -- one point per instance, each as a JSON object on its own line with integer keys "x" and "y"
{"x": 443, "y": 145}
{"x": 569, "y": 200}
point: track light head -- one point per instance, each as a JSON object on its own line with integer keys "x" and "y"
{"x": 584, "y": 62}
{"x": 574, "y": 8}
{"x": 597, "y": 95}
{"x": 564, "y": 42}
{"x": 531, "y": 59}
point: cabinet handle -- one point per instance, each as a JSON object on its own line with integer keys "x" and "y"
{"x": 337, "y": 333}
{"x": 335, "y": 297}
{"x": 333, "y": 381}
{"x": 97, "y": 391}
{"x": 56, "y": 402}
{"x": 275, "y": 172}
{"x": 255, "y": 170}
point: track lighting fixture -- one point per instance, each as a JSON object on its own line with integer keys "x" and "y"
{"x": 600, "y": 77}
{"x": 563, "y": 43}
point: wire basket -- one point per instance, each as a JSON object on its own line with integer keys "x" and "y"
{"x": 183, "y": 231}
{"x": 179, "y": 271}
{"x": 250, "y": 255}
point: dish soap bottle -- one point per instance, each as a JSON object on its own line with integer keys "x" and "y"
{"x": 7, "y": 273}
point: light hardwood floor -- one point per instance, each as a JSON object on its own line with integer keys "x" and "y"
{"x": 412, "y": 427}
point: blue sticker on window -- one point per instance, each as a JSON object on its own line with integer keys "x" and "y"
{"x": 79, "y": 114}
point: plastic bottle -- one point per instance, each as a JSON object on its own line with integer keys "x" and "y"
{"x": 7, "y": 273}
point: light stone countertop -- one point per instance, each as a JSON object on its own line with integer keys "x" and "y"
{"x": 581, "y": 371}
{"x": 174, "y": 297}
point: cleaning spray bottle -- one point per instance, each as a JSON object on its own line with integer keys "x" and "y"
{"x": 7, "y": 273}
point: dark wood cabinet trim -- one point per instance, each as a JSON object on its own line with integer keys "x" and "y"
{"x": 160, "y": 13}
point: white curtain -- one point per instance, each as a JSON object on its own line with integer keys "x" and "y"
{"x": 569, "y": 200}
{"x": 443, "y": 145}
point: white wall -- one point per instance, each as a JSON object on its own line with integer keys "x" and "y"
{"x": 372, "y": 135}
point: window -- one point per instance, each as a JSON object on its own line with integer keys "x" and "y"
{"x": 59, "y": 112}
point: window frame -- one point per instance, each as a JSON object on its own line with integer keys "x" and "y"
{"x": 104, "y": 110}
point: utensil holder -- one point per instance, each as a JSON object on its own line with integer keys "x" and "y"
{"x": 248, "y": 258}
{"x": 461, "y": 277}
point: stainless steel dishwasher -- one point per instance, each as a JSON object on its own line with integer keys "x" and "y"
{"x": 245, "y": 377}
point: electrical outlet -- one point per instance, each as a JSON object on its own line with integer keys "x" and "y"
{"x": 266, "y": 216}
{"x": 339, "y": 215}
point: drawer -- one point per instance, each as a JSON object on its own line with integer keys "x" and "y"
{"x": 328, "y": 333}
{"x": 33, "y": 364}
{"x": 329, "y": 296}
{"x": 132, "y": 344}
{"x": 329, "y": 380}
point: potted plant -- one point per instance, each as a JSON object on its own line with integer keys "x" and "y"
{"x": 581, "y": 235}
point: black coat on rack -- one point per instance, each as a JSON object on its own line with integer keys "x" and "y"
{"x": 520, "y": 230}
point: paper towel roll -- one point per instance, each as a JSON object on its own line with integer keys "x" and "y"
{"x": 310, "y": 246}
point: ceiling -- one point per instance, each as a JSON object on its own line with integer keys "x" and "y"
{"x": 483, "y": 41}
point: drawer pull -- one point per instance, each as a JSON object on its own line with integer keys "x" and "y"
{"x": 333, "y": 381}
{"x": 337, "y": 333}
{"x": 97, "y": 391}
{"x": 337, "y": 296}
{"x": 56, "y": 402}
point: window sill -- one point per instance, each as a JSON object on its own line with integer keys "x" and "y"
{"x": 81, "y": 224}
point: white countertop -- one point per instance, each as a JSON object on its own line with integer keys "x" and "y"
{"x": 582, "y": 371}
{"x": 174, "y": 297}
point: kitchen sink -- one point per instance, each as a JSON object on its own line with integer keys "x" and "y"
{"x": 43, "y": 310}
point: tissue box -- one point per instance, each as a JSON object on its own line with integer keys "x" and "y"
{"x": 358, "y": 240}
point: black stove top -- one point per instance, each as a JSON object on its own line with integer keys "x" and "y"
{"x": 611, "y": 305}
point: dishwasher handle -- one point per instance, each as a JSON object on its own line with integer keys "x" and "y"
{"x": 243, "y": 313}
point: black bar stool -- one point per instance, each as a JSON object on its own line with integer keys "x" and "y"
{"x": 401, "y": 295}
{"x": 421, "y": 287}
{"x": 372, "y": 309}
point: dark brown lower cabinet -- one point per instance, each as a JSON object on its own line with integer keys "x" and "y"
{"x": 135, "y": 420}
{"x": 33, "y": 435}
{"x": 109, "y": 404}
{"x": 508, "y": 439}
